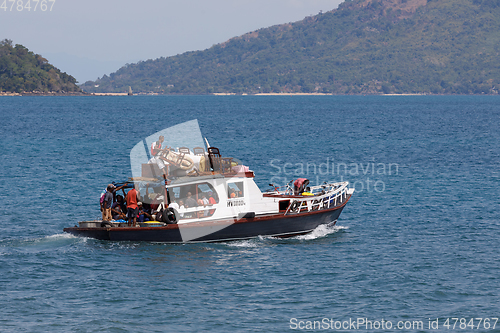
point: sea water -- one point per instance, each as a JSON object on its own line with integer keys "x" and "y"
{"x": 417, "y": 244}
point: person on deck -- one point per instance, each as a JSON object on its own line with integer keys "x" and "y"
{"x": 299, "y": 185}
{"x": 211, "y": 201}
{"x": 190, "y": 201}
{"x": 117, "y": 212}
{"x": 121, "y": 202}
{"x": 107, "y": 202}
{"x": 156, "y": 146}
{"x": 205, "y": 203}
{"x": 174, "y": 205}
{"x": 156, "y": 149}
{"x": 181, "y": 209}
{"x": 143, "y": 214}
{"x": 132, "y": 208}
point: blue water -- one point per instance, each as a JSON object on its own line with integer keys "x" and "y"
{"x": 419, "y": 239}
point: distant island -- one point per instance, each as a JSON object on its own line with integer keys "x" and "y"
{"x": 23, "y": 72}
{"x": 363, "y": 47}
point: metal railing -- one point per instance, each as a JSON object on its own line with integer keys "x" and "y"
{"x": 324, "y": 197}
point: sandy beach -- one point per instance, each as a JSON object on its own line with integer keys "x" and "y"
{"x": 110, "y": 94}
{"x": 274, "y": 94}
{"x": 9, "y": 94}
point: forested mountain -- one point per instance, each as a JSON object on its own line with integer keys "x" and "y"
{"x": 23, "y": 71}
{"x": 363, "y": 47}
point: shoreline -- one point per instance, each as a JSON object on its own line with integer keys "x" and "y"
{"x": 226, "y": 94}
{"x": 3, "y": 93}
{"x": 109, "y": 94}
{"x": 323, "y": 94}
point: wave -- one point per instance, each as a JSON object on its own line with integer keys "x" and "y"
{"x": 51, "y": 239}
{"x": 64, "y": 235}
{"x": 321, "y": 231}
{"x": 254, "y": 242}
{"x": 38, "y": 244}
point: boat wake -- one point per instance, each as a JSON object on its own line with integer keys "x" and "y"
{"x": 254, "y": 242}
{"x": 37, "y": 244}
{"x": 57, "y": 239}
{"x": 59, "y": 236}
{"x": 321, "y": 231}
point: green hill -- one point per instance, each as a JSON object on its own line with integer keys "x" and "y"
{"x": 22, "y": 71}
{"x": 363, "y": 47}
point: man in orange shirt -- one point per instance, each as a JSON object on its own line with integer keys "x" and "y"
{"x": 132, "y": 208}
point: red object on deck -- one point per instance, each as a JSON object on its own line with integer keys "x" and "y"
{"x": 299, "y": 185}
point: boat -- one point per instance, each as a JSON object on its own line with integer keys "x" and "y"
{"x": 225, "y": 202}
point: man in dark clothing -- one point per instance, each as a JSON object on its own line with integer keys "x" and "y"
{"x": 107, "y": 202}
{"x": 121, "y": 202}
{"x": 190, "y": 201}
{"x": 117, "y": 212}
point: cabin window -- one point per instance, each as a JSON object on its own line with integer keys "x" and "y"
{"x": 174, "y": 194}
{"x": 283, "y": 205}
{"x": 197, "y": 191}
{"x": 201, "y": 197}
{"x": 206, "y": 190}
{"x": 235, "y": 190}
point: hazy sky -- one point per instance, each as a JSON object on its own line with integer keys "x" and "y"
{"x": 90, "y": 38}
